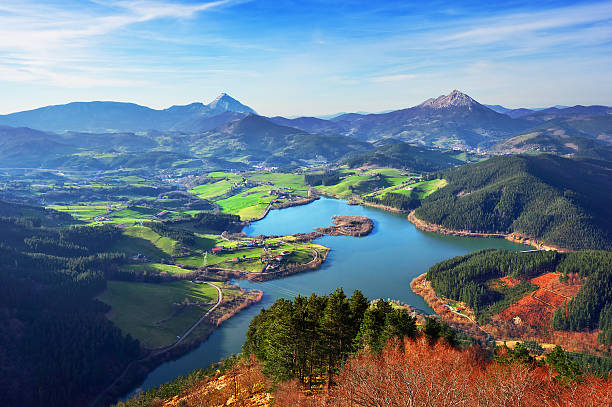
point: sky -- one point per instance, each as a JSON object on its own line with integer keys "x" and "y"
{"x": 304, "y": 57}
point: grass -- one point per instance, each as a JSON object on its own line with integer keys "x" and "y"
{"x": 211, "y": 191}
{"x": 222, "y": 260}
{"x": 343, "y": 187}
{"x": 249, "y": 204}
{"x": 168, "y": 268}
{"x": 165, "y": 244}
{"x": 233, "y": 177}
{"x": 422, "y": 189}
{"x": 86, "y": 212}
{"x": 136, "y": 214}
{"x": 141, "y": 239}
{"x": 156, "y": 314}
{"x": 281, "y": 180}
{"x": 249, "y": 256}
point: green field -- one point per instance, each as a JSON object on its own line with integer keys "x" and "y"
{"x": 158, "y": 267}
{"x": 249, "y": 204}
{"x": 224, "y": 260}
{"x": 156, "y": 314}
{"x": 141, "y": 239}
{"x": 343, "y": 187}
{"x": 249, "y": 256}
{"x": 137, "y": 214}
{"x": 86, "y": 212}
{"x": 211, "y": 191}
{"x": 231, "y": 176}
{"x": 281, "y": 180}
{"x": 422, "y": 189}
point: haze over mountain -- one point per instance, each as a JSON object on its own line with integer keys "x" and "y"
{"x": 118, "y": 116}
{"x": 454, "y": 121}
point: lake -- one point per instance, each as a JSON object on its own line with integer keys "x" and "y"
{"x": 381, "y": 265}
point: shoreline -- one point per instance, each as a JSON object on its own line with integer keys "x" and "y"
{"x": 137, "y": 370}
{"x": 421, "y": 287}
{"x": 515, "y": 237}
{"x": 284, "y": 205}
{"x": 154, "y": 360}
{"x": 583, "y": 341}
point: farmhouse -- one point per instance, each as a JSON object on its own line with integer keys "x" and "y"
{"x": 162, "y": 214}
{"x": 235, "y": 259}
{"x": 217, "y": 250}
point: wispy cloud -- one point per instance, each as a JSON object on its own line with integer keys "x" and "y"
{"x": 41, "y": 42}
{"x": 511, "y": 27}
{"x": 335, "y": 55}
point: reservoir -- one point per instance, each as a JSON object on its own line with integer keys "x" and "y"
{"x": 381, "y": 265}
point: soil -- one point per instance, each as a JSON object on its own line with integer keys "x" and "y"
{"x": 513, "y": 237}
{"x": 348, "y": 225}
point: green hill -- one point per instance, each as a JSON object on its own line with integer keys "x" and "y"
{"x": 562, "y": 201}
{"x": 405, "y": 156}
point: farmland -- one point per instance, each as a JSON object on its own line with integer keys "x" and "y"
{"x": 212, "y": 191}
{"x": 419, "y": 190}
{"x": 157, "y": 313}
{"x": 238, "y": 255}
{"x": 141, "y": 239}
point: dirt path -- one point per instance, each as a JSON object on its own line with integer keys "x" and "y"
{"x": 162, "y": 350}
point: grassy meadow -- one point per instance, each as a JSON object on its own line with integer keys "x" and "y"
{"x": 156, "y": 314}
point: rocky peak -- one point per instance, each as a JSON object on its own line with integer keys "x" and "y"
{"x": 225, "y": 102}
{"x": 453, "y": 99}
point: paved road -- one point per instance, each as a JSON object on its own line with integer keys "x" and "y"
{"x": 199, "y": 320}
{"x": 163, "y": 350}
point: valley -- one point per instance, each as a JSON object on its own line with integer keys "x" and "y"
{"x": 169, "y": 240}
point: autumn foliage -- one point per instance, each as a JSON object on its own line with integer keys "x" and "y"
{"x": 414, "y": 373}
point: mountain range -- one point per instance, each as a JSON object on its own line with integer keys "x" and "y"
{"x": 453, "y": 121}
{"x": 128, "y": 117}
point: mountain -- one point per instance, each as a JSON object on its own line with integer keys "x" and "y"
{"x": 225, "y": 103}
{"x": 561, "y": 201}
{"x": 553, "y": 140}
{"x": 577, "y": 111}
{"x": 25, "y": 147}
{"x": 449, "y": 121}
{"x": 498, "y": 108}
{"x": 520, "y": 112}
{"x": 453, "y": 100}
{"x": 311, "y": 124}
{"x": 259, "y": 139}
{"x": 128, "y": 117}
{"x": 402, "y": 155}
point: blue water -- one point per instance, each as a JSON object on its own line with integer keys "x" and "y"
{"x": 381, "y": 265}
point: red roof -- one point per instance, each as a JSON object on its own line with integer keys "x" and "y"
{"x": 217, "y": 249}
{"x": 235, "y": 259}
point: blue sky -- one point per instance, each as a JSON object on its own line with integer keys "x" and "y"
{"x": 304, "y": 57}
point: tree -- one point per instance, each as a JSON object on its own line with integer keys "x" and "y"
{"x": 336, "y": 330}
{"x": 560, "y": 361}
{"x": 432, "y": 330}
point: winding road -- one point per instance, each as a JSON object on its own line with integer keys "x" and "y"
{"x": 162, "y": 350}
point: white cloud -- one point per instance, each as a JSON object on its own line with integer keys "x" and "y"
{"x": 42, "y": 43}
{"x": 508, "y": 27}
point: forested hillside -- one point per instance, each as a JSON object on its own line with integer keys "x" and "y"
{"x": 57, "y": 347}
{"x": 561, "y": 201}
{"x": 403, "y": 155}
{"x": 470, "y": 279}
{"x": 309, "y": 338}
